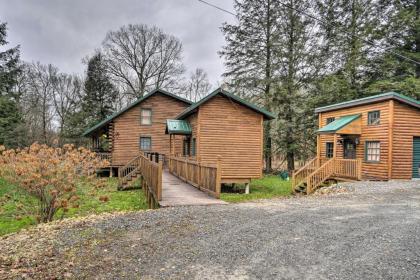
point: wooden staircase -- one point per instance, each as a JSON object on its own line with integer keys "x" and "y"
{"x": 129, "y": 172}
{"x": 319, "y": 170}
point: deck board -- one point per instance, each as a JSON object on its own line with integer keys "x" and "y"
{"x": 176, "y": 192}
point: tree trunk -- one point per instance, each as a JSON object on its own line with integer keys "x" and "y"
{"x": 267, "y": 126}
{"x": 417, "y": 37}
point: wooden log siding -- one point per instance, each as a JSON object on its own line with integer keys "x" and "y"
{"x": 378, "y": 171}
{"x": 406, "y": 126}
{"x": 206, "y": 177}
{"x": 235, "y": 133}
{"x": 127, "y": 128}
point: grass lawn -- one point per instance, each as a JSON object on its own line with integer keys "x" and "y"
{"x": 16, "y": 206}
{"x": 269, "y": 186}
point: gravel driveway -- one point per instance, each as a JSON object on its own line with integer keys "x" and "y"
{"x": 371, "y": 232}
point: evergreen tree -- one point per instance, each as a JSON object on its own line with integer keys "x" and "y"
{"x": 401, "y": 32}
{"x": 97, "y": 100}
{"x": 252, "y": 56}
{"x": 10, "y": 117}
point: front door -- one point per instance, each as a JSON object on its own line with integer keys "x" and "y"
{"x": 349, "y": 148}
{"x": 416, "y": 157}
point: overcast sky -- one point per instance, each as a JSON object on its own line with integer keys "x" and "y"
{"x": 62, "y": 32}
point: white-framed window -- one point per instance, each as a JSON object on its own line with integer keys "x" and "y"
{"x": 372, "y": 151}
{"x": 145, "y": 143}
{"x": 374, "y": 118}
{"x": 146, "y": 116}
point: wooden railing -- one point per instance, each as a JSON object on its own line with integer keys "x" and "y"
{"x": 300, "y": 175}
{"x": 348, "y": 168}
{"x": 318, "y": 170}
{"x": 105, "y": 156}
{"x": 151, "y": 173}
{"x": 337, "y": 168}
{"x": 206, "y": 177}
{"x": 125, "y": 172}
{"x": 151, "y": 177}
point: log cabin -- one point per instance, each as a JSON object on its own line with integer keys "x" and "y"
{"x": 372, "y": 138}
{"x": 138, "y": 127}
{"x": 221, "y": 127}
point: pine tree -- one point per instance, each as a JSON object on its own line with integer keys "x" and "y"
{"x": 251, "y": 56}
{"x": 10, "y": 116}
{"x": 97, "y": 100}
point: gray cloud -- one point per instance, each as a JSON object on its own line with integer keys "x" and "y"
{"x": 62, "y": 32}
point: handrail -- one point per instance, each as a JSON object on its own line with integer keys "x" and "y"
{"x": 320, "y": 175}
{"x": 300, "y": 176}
{"x": 204, "y": 176}
{"x": 318, "y": 170}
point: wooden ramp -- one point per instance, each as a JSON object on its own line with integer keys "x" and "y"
{"x": 176, "y": 192}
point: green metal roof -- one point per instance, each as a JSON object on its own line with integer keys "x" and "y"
{"x": 267, "y": 115}
{"x": 178, "y": 127}
{"x": 371, "y": 99}
{"x": 138, "y": 101}
{"x": 339, "y": 123}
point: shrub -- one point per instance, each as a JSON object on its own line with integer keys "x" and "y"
{"x": 49, "y": 174}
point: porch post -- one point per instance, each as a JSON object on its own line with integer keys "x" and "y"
{"x": 335, "y": 146}
{"x": 318, "y": 150}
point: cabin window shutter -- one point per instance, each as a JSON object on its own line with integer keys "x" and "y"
{"x": 146, "y": 116}
{"x": 372, "y": 151}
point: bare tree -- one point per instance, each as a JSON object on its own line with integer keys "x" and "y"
{"x": 197, "y": 86}
{"x": 143, "y": 58}
{"x": 67, "y": 92}
{"x": 37, "y": 87}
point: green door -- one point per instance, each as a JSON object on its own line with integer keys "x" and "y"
{"x": 416, "y": 157}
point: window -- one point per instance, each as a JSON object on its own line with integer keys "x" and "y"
{"x": 146, "y": 116}
{"x": 145, "y": 143}
{"x": 186, "y": 147}
{"x": 374, "y": 118}
{"x": 330, "y": 120}
{"x": 372, "y": 151}
{"x": 329, "y": 150}
{"x": 193, "y": 147}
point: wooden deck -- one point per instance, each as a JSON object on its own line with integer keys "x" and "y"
{"x": 176, "y": 192}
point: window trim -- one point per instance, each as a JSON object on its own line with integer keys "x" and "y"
{"x": 379, "y": 117}
{"x": 326, "y": 149}
{"x": 330, "y": 120}
{"x": 186, "y": 141}
{"x": 145, "y": 136}
{"x": 366, "y": 151}
{"x": 141, "y": 116}
{"x": 194, "y": 147}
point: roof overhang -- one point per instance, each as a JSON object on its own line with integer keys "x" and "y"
{"x": 371, "y": 99}
{"x": 178, "y": 127}
{"x": 193, "y": 108}
{"x": 138, "y": 101}
{"x": 351, "y": 124}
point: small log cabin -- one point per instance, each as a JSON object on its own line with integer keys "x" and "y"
{"x": 225, "y": 127}
{"x": 382, "y": 130}
{"x": 372, "y": 138}
{"x": 138, "y": 127}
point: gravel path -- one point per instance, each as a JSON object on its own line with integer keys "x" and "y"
{"x": 369, "y": 232}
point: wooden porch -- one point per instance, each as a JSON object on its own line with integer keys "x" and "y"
{"x": 311, "y": 176}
